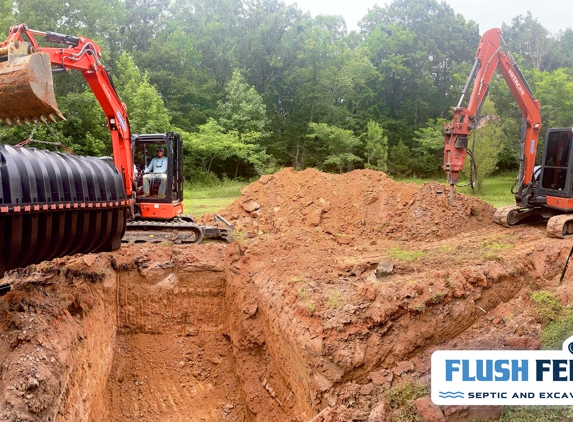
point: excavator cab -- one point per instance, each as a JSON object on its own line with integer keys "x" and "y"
{"x": 160, "y": 195}
{"x": 557, "y": 166}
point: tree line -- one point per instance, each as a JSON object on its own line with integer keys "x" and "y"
{"x": 256, "y": 85}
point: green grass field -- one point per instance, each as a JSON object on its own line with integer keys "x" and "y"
{"x": 199, "y": 200}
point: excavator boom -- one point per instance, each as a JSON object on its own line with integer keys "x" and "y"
{"x": 489, "y": 57}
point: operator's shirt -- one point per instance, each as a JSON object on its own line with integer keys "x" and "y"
{"x": 157, "y": 165}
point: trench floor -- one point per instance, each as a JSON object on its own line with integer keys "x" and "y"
{"x": 165, "y": 377}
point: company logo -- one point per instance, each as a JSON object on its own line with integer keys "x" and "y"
{"x": 121, "y": 120}
{"x": 516, "y": 82}
{"x": 503, "y": 377}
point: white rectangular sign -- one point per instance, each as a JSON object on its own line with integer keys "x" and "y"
{"x": 503, "y": 377}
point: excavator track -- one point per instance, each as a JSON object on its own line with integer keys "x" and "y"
{"x": 513, "y": 215}
{"x": 183, "y": 229}
{"x": 507, "y": 216}
{"x": 560, "y": 226}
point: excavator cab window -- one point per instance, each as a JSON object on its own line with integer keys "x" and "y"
{"x": 158, "y": 189}
{"x": 556, "y": 160}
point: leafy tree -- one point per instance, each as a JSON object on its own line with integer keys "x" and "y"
{"x": 212, "y": 143}
{"x": 487, "y": 147}
{"x": 339, "y": 146}
{"x": 555, "y": 92}
{"x": 85, "y": 125}
{"x": 243, "y": 109}
{"x": 143, "y": 20}
{"x": 429, "y": 148}
{"x": 530, "y": 40}
{"x": 376, "y": 148}
{"x": 146, "y": 109}
{"x": 415, "y": 45}
{"x": 148, "y": 114}
{"x": 400, "y": 160}
{"x": 173, "y": 65}
{"x": 244, "y": 113}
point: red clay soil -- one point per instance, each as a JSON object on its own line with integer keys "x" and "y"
{"x": 338, "y": 288}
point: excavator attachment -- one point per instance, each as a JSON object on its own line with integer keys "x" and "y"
{"x": 54, "y": 204}
{"x": 26, "y": 86}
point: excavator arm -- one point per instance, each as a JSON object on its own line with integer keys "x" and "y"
{"x": 34, "y": 100}
{"x": 489, "y": 57}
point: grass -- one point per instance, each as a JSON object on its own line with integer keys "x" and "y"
{"x": 556, "y": 319}
{"x": 403, "y": 255}
{"x": 199, "y": 200}
{"x": 537, "y": 413}
{"x": 401, "y": 398}
{"x": 334, "y": 301}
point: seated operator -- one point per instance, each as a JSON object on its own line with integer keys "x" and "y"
{"x": 157, "y": 169}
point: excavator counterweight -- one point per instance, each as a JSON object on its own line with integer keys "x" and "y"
{"x": 26, "y": 86}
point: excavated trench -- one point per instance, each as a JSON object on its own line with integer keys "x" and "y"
{"x": 173, "y": 360}
{"x": 199, "y": 336}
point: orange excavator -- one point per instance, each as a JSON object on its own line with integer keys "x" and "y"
{"x": 542, "y": 192}
{"x": 54, "y": 204}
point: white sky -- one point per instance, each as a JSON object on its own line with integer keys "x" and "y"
{"x": 555, "y": 15}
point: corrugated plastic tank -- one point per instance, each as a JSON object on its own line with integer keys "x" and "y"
{"x": 54, "y": 204}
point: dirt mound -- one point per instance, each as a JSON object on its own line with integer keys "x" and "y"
{"x": 359, "y": 203}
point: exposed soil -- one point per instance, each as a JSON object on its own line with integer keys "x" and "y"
{"x": 337, "y": 288}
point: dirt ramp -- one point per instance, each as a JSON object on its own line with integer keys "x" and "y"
{"x": 359, "y": 203}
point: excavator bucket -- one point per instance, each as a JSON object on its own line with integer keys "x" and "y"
{"x": 26, "y": 87}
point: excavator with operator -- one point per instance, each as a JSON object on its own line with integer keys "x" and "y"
{"x": 54, "y": 204}
{"x": 543, "y": 192}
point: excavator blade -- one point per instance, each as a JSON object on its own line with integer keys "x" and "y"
{"x": 27, "y": 91}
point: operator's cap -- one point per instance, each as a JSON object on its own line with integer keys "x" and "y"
{"x": 159, "y": 149}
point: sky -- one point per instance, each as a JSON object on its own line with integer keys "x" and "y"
{"x": 555, "y": 15}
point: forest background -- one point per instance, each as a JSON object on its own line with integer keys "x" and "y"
{"x": 256, "y": 85}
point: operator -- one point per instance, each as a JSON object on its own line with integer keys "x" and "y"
{"x": 157, "y": 169}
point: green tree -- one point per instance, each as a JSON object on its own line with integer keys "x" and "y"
{"x": 212, "y": 143}
{"x": 339, "y": 145}
{"x": 376, "y": 148}
{"x": 413, "y": 47}
{"x": 555, "y": 92}
{"x": 429, "y": 148}
{"x": 400, "y": 160}
{"x": 145, "y": 107}
{"x": 529, "y": 39}
{"x": 244, "y": 113}
{"x": 487, "y": 147}
{"x": 85, "y": 126}
{"x": 243, "y": 109}
{"x": 148, "y": 114}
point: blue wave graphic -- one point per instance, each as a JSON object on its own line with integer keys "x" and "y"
{"x": 451, "y": 394}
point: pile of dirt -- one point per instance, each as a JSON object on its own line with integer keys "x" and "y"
{"x": 359, "y": 203}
